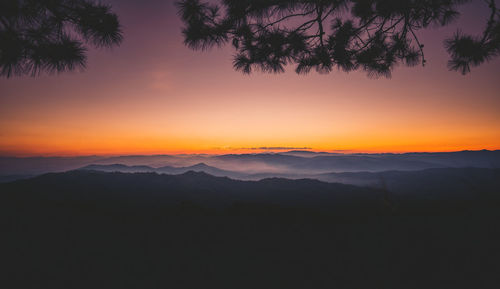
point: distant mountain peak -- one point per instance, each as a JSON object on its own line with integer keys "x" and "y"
{"x": 200, "y": 166}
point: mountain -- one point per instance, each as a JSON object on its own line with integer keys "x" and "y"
{"x": 200, "y": 167}
{"x": 325, "y": 163}
{"x": 94, "y": 229}
{"x": 429, "y": 183}
{"x": 295, "y": 164}
{"x": 152, "y": 188}
{"x": 407, "y": 161}
{"x": 466, "y": 184}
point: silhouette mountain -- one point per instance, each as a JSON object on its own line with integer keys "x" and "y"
{"x": 254, "y": 166}
{"x": 429, "y": 183}
{"x": 467, "y": 184}
{"x": 152, "y": 188}
{"x": 200, "y": 167}
{"x": 369, "y": 162}
{"x": 91, "y": 229}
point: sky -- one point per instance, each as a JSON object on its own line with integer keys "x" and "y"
{"x": 153, "y": 95}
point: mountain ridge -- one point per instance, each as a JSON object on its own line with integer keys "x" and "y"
{"x": 236, "y": 165}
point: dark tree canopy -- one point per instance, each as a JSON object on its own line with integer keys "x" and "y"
{"x": 52, "y": 35}
{"x": 369, "y": 35}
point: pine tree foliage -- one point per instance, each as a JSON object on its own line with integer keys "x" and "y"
{"x": 52, "y": 35}
{"x": 370, "y": 35}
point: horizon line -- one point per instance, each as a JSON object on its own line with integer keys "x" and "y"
{"x": 226, "y": 152}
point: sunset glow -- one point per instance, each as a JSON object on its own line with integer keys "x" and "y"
{"x": 152, "y": 95}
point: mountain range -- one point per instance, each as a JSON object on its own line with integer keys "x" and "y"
{"x": 87, "y": 228}
{"x": 429, "y": 182}
{"x": 450, "y": 184}
{"x": 296, "y": 164}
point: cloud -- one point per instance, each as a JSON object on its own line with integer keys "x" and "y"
{"x": 277, "y": 148}
{"x": 263, "y": 148}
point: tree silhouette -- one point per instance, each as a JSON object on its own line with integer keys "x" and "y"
{"x": 52, "y": 35}
{"x": 369, "y": 35}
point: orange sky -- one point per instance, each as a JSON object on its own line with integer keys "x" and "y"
{"x": 153, "y": 95}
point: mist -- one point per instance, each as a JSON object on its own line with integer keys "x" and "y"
{"x": 357, "y": 169}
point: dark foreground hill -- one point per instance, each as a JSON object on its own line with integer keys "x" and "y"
{"x": 151, "y": 189}
{"x": 88, "y": 229}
